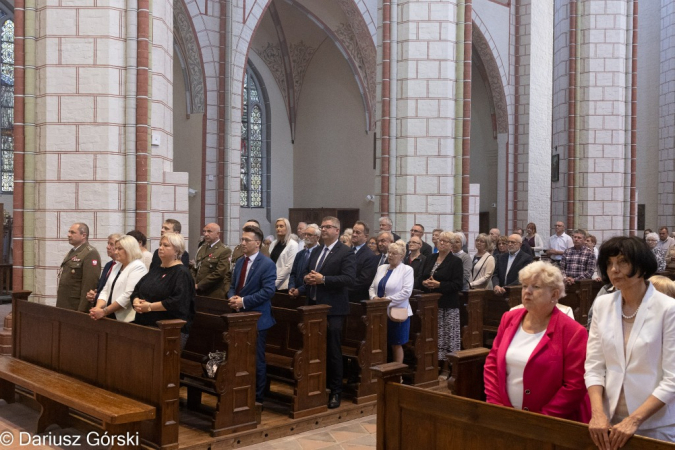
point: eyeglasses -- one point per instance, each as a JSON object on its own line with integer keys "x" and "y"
{"x": 414, "y": 243}
{"x": 443, "y": 241}
{"x": 512, "y": 242}
{"x": 309, "y": 235}
{"x": 327, "y": 227}
{"x": 247, "y": 240}
{"x": 416, "y": 231}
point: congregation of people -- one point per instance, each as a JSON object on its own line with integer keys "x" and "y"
{"x": 618, "y": 376}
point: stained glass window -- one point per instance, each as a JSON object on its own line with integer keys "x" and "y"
{"x": 253, "y": 144}
{"x": 7, "y": 104}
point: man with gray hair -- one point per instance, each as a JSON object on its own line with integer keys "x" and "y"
{"x": 384, "y": 239}
{"x": 310, "y": 236}
{"x": 79, "y": 271}
{"x": 509, "y": 264}
{"x": 386, "y": 224}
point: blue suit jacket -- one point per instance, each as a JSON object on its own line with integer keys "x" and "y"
{"x": 299, "y": 270}
{"x": 258, "y": 289}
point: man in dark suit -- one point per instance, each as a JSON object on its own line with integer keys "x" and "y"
{"x": 509, "y": 264}
{"x": 366, "y": 263}
{"x": 252, "y": 289}
{"x": 384, "y": 240}
{"x": 331, "y": 272}
{"x": 418, "y": 230}
{"x": 296, "y": 284}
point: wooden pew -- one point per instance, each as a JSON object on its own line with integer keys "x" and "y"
{"x": 141, "y": 363}
{"x": 296, "y": 354}
{"x": 579, "y": 297}
{"x": 411, "y": 418}
{"x": 466, "y": 377}
{"x": 421, "y": 351}
{"x": 364, "y": 345}
{"x": 364, "y": 342}
{"x": 494, "y": 307}
{"x": 217, "y": 328}
{"x": 471, "y": 318}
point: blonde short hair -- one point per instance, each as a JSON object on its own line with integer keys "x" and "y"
{"x": 130, "y": 245}
{"x": 447, "y": 236}
{"x": 397, "y": 248}
{"x": 546, "y": 273}
{"x": 177, "y": 242}
{"x": 664, "y": 285}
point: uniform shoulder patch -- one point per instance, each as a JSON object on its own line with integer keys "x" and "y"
{"x": 94, "y": 262}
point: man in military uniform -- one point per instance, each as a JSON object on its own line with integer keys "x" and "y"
{"x": 212, "y": 264}
{"x": 79, "y": 271}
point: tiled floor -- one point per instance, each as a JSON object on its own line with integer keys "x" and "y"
{"x": 18, "y": 421}
{"x": 355, "y": 435}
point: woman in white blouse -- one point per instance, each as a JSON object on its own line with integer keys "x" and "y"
{"x": 114, "y": 298}
{"x": 394, "y": 282}
{"x": 483, "y": 264}
{"x": 533, "y": 238}
{"x": 282, "y": 252}
{"x": 630, "y": 362}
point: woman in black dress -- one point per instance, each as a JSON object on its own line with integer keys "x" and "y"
{"x": 443, "y": 272}
{"x": 167, "y": 291}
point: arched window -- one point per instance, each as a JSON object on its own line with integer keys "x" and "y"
{"x": 255, "y": 143}
{"x": 7, "y": 102}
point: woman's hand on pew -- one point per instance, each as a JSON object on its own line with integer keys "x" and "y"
{"x": 97, "y": 313}
{"x": 599, "y": 428}
{"x": 622, "y": 431}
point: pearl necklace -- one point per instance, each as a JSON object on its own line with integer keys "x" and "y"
{"x": 632, "y": 315}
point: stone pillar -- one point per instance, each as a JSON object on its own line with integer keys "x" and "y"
{"x": 532, "y": 140}
{"x": 83, "y": 155}
{"x": 666, "y": 214}
{"x": 603, "y": 129}
{"x": 425, "y": 151}
{"x": 592, "y": 127}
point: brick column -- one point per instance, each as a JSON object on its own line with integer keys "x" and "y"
{"x": 666, "y": 202}
{"x": 592, "y": 117}
{"x": 532, "y": 140}
{"x": 426, "y": 83}
{"x": 81, "y": 164}
{"x": 603, "y": 132}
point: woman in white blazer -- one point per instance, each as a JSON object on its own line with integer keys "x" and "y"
{"x": 282, "y": 252}
{"x": 630, "y": 360}
{"x": 483, "y": 264}
{"x": 114, "y": 298}
{"x": 394, "y": 282}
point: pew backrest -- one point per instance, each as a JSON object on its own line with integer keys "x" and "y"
{"x": 138, "y": 362}
{"x": 411, "y": 418}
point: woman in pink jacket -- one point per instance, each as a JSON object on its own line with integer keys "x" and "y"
{"x": 537, "y": 359}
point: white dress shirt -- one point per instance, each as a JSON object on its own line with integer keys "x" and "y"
{"x": 561, "y": 243}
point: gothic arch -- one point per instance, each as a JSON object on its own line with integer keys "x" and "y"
{"x": 491, "y": 69}
{"x": 352, "y": 38}
{"x": 189, "y": 54}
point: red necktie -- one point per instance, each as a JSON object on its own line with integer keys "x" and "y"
{"x": 242, "y": 277}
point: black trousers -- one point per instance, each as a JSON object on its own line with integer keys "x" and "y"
{"x": 334, "y": 354}
{"x": 260, "y": 366}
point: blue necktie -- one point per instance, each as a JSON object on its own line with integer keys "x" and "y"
{"x": 321, "y": 260}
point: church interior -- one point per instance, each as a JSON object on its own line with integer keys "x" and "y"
{"x": 459, "y": 115}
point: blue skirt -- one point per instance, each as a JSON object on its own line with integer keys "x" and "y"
{"x": 398, "y": 333}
